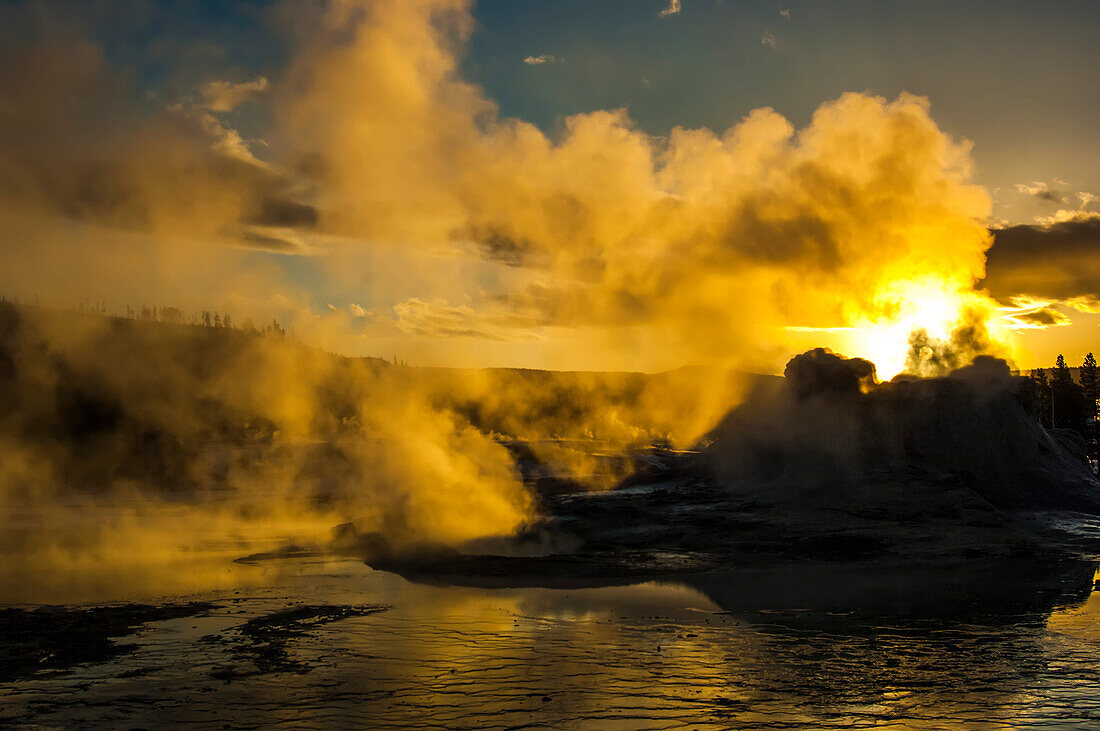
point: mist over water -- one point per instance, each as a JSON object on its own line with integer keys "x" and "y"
{"x": 175, "y": 436}
{"x": 135, "y": 448}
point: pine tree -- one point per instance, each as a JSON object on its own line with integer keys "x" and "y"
{"x": 1068, "y": 399}
{"x": 1061, "y": 374}
{"x": 1090, "y": 384}
{"x": 1042, "y": 385}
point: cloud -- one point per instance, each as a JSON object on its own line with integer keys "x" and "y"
{"x": 768, "y": 39}
{"x": 1084, "y": 303}
{"x": 672, "y": 9}
{"x": 1030, "y": 314}
{"x": 223, "y": 140}
{"x": 1044, "y": 317}
{"x": 1059, "y": 261}
{"x": 543, "y": 59}
{"x": 1064, "y": 215}
{"x": 1042, "y": 191}
{"x": 268, "y": 238}
{"x": 225, "y": 96}
{"x": 1070, "y": 215}
{"x": 440, "y": 319}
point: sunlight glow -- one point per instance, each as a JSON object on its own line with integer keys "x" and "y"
{"x": 927, "y": 303}
{"x": 906, "y": 306}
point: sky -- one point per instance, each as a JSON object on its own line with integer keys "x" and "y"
{"x": 624, "y": 184}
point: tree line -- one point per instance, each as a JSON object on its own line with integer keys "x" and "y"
{"x": 1069, "y": 404}
{"x": 1066, "y": 403}
{"x": 204, "y": 318}
{"x": 173, "y": 316}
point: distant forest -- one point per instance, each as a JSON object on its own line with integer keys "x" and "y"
{"x": 173, "y": 316}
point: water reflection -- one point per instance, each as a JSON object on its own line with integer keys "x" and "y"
{"x": 973, "y": 588}
{"x": 1009, "y": 644}
{"x": 920, "y": 646}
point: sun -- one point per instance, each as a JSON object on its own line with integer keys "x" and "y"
{"x": 926, "y": 303}
{"x": 882, "y": 331}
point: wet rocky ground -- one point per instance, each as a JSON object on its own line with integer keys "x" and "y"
{"x": 335, "y": 644}
{"x": 54, "y": 639}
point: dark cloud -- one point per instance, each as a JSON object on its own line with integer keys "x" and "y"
{"x": 275, "y": 210}
{"x": 1056, "y": 262}
{"x": 498, "y": 245}
{"x": 275, "y": 241}
{"x": 1042, "y": 191}
{"x": 1043, "y": 317}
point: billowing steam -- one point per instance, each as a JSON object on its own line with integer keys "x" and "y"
{"x": 130, "y": 441}
{"x": 706, "y": 242}
{"x": 602, "y": 246}
{"x": 385, "y": 182}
